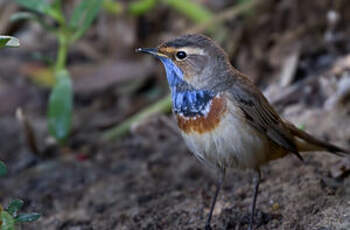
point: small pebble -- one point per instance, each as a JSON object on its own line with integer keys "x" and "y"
{"x": 275, "y": 206}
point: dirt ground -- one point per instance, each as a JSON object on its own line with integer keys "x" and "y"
{"x": 148, "y": 179}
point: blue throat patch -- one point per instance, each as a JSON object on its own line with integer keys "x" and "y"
{"x": 189, "y": 102}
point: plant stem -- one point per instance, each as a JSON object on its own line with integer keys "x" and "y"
{"x": 161, "y": 106}
{"x": 62, "y": 51}
{"x": 62, "y": 36}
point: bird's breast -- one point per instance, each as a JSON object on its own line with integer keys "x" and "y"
{"x": 222, "y": 137}
{"x": 204, "y": 122}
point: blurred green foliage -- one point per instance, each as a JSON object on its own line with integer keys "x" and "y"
{"x": 142, "y": 6}
{"x": 11, "y": 216}
{"x": 196, "y": 12}
{"x": 163, "y": 105}
{"x": 82, "y": 17}
{"x": 3, "y": 169}
{"x": 8, "y": 41}
{"x": 112, "y": 7}
{"x": 68, "y": 31}
{"x": 60, "y": 106}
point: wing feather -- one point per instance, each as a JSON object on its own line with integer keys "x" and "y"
{"x": 260, "y": 114}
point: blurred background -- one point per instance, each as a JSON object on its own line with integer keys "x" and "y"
{"x": 87, "y": 135}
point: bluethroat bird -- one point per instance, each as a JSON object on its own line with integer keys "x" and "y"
{"x": 223, "y": 117}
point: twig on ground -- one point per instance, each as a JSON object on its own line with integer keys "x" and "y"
{"x": 161, "y": 106}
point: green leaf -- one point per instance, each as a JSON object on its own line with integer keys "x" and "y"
{"x": 3, "y": 169}
{"x": 249, "y": 12}
{"x": 7, "y": 221}
{"x": 196, "y": 12}
{"x": 8, "y": 41}
{"x": 83, "y": 15}
{"x": 40, "y": 6}
{"x": 60, "y": 107}
{"x": 142, "y": 6}
{"x": 57, "y": 5}
{"x": 3, "y": 41}
{"x": 55, "y": 11}
{"x": 14, "y": 207}
{"x": 27, "y": 217}
{"x": 112, "y": 7}
{"x": 19, "y": 16}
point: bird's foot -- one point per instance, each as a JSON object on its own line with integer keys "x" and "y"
{"x": 207, "y": 227}
{"x": 251, "y": 226}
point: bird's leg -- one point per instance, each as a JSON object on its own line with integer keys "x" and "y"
{"x": 220, "y": 181}
{"x": 256, "y": 190}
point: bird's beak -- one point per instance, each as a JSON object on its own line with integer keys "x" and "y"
{"x": 152, "y": 51}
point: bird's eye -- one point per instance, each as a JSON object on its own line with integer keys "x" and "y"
{"x": 181, "y": 55}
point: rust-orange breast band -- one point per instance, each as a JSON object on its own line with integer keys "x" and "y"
{"x": 204, "y": 123}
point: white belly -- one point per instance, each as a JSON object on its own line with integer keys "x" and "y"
{"x": 232, "y": 144}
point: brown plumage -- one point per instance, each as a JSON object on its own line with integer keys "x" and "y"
{"x": 260, "y": 114}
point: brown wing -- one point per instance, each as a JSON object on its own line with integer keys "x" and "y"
{"x": 260, "y": 114}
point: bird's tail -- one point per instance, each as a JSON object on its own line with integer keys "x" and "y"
{"x": 305, "y": 142}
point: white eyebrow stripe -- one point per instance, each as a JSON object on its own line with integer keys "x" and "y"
{"x": 193, "y": 50}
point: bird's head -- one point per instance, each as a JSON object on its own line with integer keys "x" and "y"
{"x": 191, "y": 61}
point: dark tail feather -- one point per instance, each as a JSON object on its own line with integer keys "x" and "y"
{"x": 311, "y": 143}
